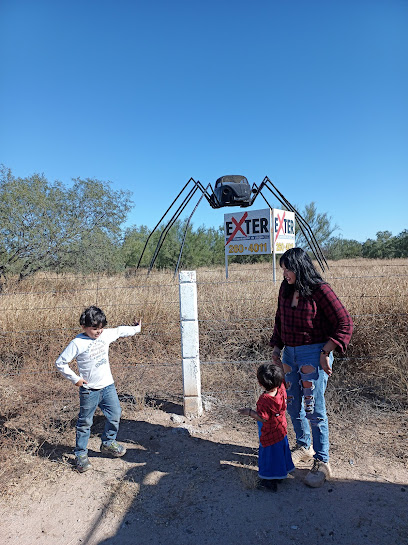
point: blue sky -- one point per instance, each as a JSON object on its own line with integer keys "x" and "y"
{"x": 146, "y": 94}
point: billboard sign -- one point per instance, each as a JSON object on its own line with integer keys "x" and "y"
{"x": 258, "y": 232}
{"x": 283, "y": 230}
{"x": 248, "y": 233}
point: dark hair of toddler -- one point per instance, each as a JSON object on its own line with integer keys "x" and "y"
{"x": 270, "y": 376}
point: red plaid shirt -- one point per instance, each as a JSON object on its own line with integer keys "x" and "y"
{"x": 315, "y": 320}
{"x": 272, "y": 410}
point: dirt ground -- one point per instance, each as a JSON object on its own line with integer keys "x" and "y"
{"x": 186, "y": 482}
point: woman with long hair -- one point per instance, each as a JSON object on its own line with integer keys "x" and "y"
{"x": 310, "y": 324}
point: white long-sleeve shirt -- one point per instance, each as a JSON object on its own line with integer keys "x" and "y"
{"x": 92, "y": 357}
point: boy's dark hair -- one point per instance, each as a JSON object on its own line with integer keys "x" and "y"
{"x": 92, "y": 317}
{"x": 307, "y": 278}
{"x": 270, "y": 376}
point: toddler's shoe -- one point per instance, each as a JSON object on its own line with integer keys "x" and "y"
{"x": 267, "y": 484}
{"x": 318, "y": 474}
{"x": 82, "y": 463}
{"x": 113, "y": 449}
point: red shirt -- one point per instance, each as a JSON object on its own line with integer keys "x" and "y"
{"x": 316, "y": 319}
{"x": 272, "y": 410}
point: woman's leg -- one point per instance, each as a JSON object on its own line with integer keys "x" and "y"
{"x": 294, "y": 390}
{"x": 313, "y": 384}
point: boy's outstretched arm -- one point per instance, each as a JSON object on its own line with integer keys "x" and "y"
{"x": 124, "y": 330}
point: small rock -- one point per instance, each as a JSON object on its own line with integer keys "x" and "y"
{"x": 177, "y": 419}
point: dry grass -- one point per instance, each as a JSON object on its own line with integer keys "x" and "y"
{"x": 39, "y": 316}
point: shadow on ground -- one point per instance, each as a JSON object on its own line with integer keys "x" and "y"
{"x": 180, "y": 489}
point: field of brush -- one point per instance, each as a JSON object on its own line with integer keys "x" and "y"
{"x": 39, "y": 316}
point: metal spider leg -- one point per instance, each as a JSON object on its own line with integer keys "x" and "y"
{"x": 170, "y": 224}
{"x": 186, "y": 229}
{"x": 159, "y": 222}
{"x": 204, "y": 193}
{"x": 197, "y": 186}
{"x": 303, "y": 225}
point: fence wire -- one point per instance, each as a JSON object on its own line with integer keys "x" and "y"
{"x": 177, "y": 363}
{"x": 209, "y": 326}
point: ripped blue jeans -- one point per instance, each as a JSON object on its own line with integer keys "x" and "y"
{"x": 306, "y": 384}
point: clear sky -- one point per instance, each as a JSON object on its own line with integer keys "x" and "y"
{"x": 146, "y": 94}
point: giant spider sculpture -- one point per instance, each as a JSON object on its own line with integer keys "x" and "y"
{"x": 231, "y": 190}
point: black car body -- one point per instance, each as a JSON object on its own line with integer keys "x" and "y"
{"x": 231, "y": 190}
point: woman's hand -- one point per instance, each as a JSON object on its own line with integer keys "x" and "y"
{"x": 325, "y": 364}
{"x": 81, "y": 382}
{"x": 330, "y": 346}
{"x": 246, "y": 411}
{"x": 276, "y": 353}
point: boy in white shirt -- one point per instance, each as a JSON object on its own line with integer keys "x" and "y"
{"x": 95, "y": 382}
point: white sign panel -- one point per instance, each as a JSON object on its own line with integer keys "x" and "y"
{"x": 283, "y": 230}
{"x": 248, "y": 233}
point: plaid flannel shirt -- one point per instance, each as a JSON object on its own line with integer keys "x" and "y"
{"x": 317, "y": 319}
{"x": 272, "y": 410}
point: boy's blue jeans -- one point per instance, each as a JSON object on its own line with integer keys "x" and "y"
{"x": 108, "y": 401}
{"x": 306, "y": 403}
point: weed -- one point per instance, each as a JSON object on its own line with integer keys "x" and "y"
{"x": 39, "y": 316}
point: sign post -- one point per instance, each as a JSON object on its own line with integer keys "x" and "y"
{"x": 259, "y": 232}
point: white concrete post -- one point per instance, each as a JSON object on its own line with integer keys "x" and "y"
{"x": 189, "y": 344}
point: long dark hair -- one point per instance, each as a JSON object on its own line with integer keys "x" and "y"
{"x": 297, "y": 261}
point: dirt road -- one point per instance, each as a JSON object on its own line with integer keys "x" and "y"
{"x": 192, "y": 482}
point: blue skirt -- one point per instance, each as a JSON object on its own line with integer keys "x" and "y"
{"x": 275, "y": 461}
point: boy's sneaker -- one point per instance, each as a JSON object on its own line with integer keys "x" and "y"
{"x": 301, "y": 454}
{"x": 82, "y": 463}
{"x": 318, "y": 474}
{"x": 114, "y": 449}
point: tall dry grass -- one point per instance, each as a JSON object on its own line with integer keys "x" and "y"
{"x": 39, "y": 316}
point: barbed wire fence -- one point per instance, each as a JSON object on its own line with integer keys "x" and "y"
{"x": 146, "y": 368}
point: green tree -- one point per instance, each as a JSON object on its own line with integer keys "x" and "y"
{"x": 401, "y": 244}
{"x": 133, "y": 244}
{"x": 320, "y": 224}
{"x": 47, "y": 226}
{"x": 201, "y": 247}
{"x": 384, "y": 247}
{"x": 342, "y": 248}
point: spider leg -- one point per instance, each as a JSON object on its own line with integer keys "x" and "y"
{"x": 159, "y": 222}
{"x": 197, "y": 186}
{"x": 186, "y": 229}
{"x": 204, "y": 191}
{"x": 303, "y": 225}
{"x": 170, "y": 224}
